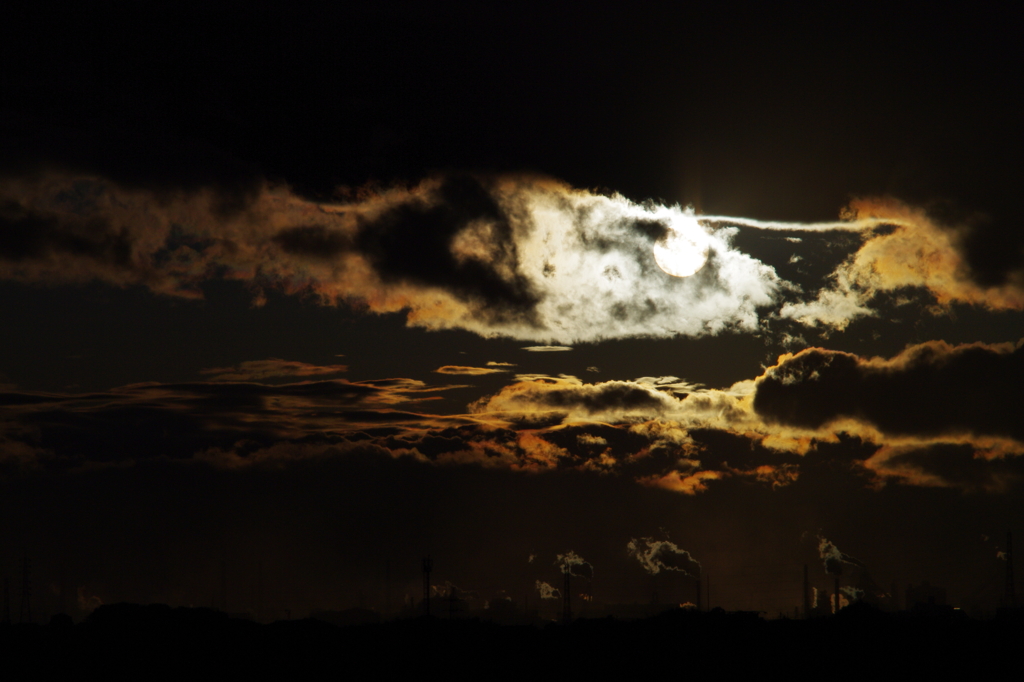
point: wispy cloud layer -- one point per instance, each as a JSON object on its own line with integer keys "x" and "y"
{"x": 258, "y": 370}
{"x": 765, "y": 432}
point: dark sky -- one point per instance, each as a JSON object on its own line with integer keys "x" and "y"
{"x": 309, "y": 292}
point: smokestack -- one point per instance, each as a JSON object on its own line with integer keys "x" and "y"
{"x": 25, "y": 614}
{"x": 387, "y": 586}
{"x": 566, "y": 595}
{"x": 837, "y": 594}
{"x": 62, "y": 606}
{"x": 259, "y": 590}
{"x": 1011, "y": 599}
{"x": 807, "y": 594}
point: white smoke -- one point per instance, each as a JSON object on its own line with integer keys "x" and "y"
{"x": 547, "y": 591}
{"x": 662, "y": 555}
{"x": 574, "y": 564}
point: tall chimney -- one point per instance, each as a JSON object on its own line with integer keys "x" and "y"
{"x": 807, "y": 594}
{"x": 1011, "y": 599}
{"x": 566, "y": 595}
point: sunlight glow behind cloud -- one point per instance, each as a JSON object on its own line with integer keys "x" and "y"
{"x": 516, "y": 256}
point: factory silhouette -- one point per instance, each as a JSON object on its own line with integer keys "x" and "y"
{"x": 846, "y": 585}
{"x": 571, "y": 632}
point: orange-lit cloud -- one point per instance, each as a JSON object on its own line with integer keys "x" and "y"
{"x": 916, "y": 252}
{"x": 524, "y": 257}
{"x": 929, "y": 389}
{"x": 682, "y": 482}
{"x": 468, "y": 371}
{"x": 258, "y": 370}
{"x": 950, "y": 431}
{"x": 517, "y": 256}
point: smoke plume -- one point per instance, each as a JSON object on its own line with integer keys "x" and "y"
{"x": 662, "y": 555}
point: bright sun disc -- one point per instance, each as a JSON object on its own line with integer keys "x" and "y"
{"x": 679, "y": 255}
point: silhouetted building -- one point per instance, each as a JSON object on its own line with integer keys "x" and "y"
{"x": 925, "y": 594}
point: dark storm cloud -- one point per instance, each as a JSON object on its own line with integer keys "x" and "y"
{"x": 315, "y": 241}
{"x": 930, "y": 389}
{"x": 181, "y": 420}
{"x": 413, "y": 242}
{"x": 945, "y": 465}
{"x": 27, "y": 234}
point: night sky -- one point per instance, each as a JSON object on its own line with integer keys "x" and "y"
{"x": 293, "y": 298}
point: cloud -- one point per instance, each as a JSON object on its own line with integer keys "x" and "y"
{"x": 572, "y": 398}
{"x": 931, "y": 389}
{"x": 467, "y": 371}
{"x": 524, "y": 257}
{"x": 178, "y": 421}
{"x": 662, "y": 555}
{"x": 944, "y": 465}
{"x": 257, "y": 370}
{"x": 916, "y": 252}
{"x": 492, "y": 363}
{"x": 683, "y": 482}
{"x": 814, "y": 403}
{"x": 547, "y": 349}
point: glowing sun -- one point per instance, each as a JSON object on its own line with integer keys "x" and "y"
{"x": 682, "y": 251}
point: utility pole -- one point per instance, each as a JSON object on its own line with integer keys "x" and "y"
{"x": 387, "y": 586}
{"x": 428, "y": 566}
{"x": 566, "y": 595}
